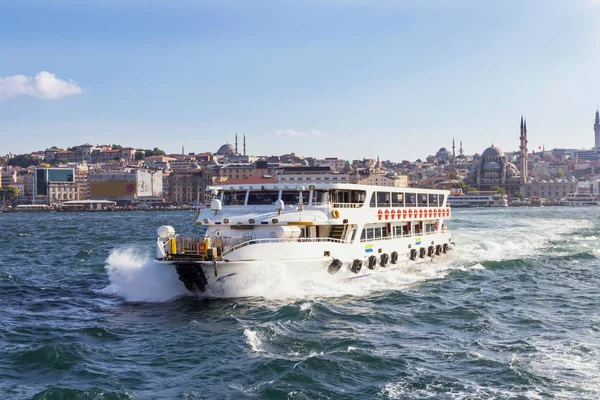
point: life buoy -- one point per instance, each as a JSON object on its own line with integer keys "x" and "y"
{"x": 356, "y": 266}
{"x": 410, "y": 213}
{"x": 384, "y": 260}
{"x": 430, "y": 213}
{"x": 387, "y": 214}
{"x": 394, "y": 257}
{"x": 404, "y": 213}
{"x": 372, "y": 262}
{"x": 420, "y": 213}
{"x": 334, "y": 266}
{"x": 422, "y": 252}
{"x": 335, "y": 213}
{"x": 449, "y": 212}
{"x": 393, "y": 214}
{"x": 413, "y": 254}
{"x": 380, "y": 214}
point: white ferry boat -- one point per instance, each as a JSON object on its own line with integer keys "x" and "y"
{"x": 347, "y": 230}
{"x": 477, "y": 199}
{"x": 580, "y": 199}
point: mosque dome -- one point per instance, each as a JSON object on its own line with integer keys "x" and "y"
{"x": 491, "y": 165}
{"x": 226, "y": 150}
{"x": 492, "y": 151}
{"x": 442, "y": 150}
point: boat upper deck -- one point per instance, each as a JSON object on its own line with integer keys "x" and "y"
{"x": 336, "y": 195}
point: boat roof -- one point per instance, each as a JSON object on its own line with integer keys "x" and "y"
{"x": 322, "y": 186}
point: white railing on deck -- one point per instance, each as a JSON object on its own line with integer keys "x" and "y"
{"x": 288, "y": 240}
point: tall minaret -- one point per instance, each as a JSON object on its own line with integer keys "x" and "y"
{"x": 461, "y": 149}
{"x": 597, "y": 131}
{"x": 236, "y": 148}
{"x": 523, "y": 149}
{"x": 244, "y": 144}
{"x": 453, "y": 149}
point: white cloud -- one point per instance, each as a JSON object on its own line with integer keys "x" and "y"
{"x": 291, "y": 132}
{"x": 44, "y": 85}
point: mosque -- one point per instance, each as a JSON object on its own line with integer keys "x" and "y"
{"x": 494, "y": 168}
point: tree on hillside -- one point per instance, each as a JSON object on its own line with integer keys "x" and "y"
{"x": 58, "y": 161}
{"x": 117, "y": 147}
{"x": 23, "y": 161}
{"x": 158, "y": 152}
{"x": 139, "y": 155}
{"x": 54, "y": 148}
{"x": 498, "y": 189}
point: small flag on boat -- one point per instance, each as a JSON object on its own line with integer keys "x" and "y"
{"x": 368, "y": 248}
{"x": 417, "y": 241}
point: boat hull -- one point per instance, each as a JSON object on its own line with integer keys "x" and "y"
{"x": 331, "y": 260}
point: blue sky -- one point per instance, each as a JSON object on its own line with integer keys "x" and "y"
{"x": 345, "y": 78}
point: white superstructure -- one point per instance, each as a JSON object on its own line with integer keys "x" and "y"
{"x": 580, "y": 199}
{"x": 345, "y": 229}
{"x": 478, "y": 199}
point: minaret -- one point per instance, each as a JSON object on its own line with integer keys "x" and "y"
{"x": 597, "y": 131}
{"x": 236, "y": 148}
{"x": 461, "y": 149}
{"x": 244, "y": 144}
{"x": 523, "y": 149}
{"x": 453, "y": 149}
{"x": 182, "y": 151}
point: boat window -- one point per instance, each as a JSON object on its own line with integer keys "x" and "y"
{"x": 369, "y": 233}
{"x": 411, "y": 200}
{"x": 293, "y": 197}
{"x": 422, "y": 200}
{"x": 433, "y": 200}
{"x": 378, "y": 233}
{"x": 373, "y": 203}
{"x": 397, "y": 199}
{"x": 363, "y": 234}
{"x": 320, "y": 197}
{"x": 234, "y": 198}
{"x": 358, "y": 196}
{"x": 383, "y": 199}
{"x": 263, "y": 197}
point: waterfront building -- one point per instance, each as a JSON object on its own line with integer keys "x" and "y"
{"x": 50, "y": 185}
{"x": 334, "y": 163}
{"x": 258, "y": 169}
{"x": 304, "y": 175}
{"x": 125, "y": 185}
{"x": 384, "y": 180}
{"x": 189, "y": 186}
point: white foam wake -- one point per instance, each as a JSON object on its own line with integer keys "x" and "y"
{"x": 135, "y": 277}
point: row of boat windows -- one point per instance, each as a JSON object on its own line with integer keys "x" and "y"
{"x": 375, "y": 232}
{"x": 357, "y": 197}
{"x": 395, "y": 199}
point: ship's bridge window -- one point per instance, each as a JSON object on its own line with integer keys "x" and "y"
{"x": 263, "y": 197}
{"x": 383, "y": 199}
{"x": 373, "y": 202}
{"x": 234, "y": 198}
{"x": 422, "y": 200}
{"x": 411, "y": 200}
{"x": 293, "y": 196}
{"x": 320, "y": 197}
{"x": 433, "y": 200}
{"x": 397, "y": 199}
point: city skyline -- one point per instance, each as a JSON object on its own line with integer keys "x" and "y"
{"x": 352, "y": 79}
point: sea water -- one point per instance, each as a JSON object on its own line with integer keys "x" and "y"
{"x": 512, "y": 313}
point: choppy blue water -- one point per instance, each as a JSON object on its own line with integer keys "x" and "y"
{"x": 86, "y": 314}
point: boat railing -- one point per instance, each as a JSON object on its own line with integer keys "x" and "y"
{"x": 282, "y": 240}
